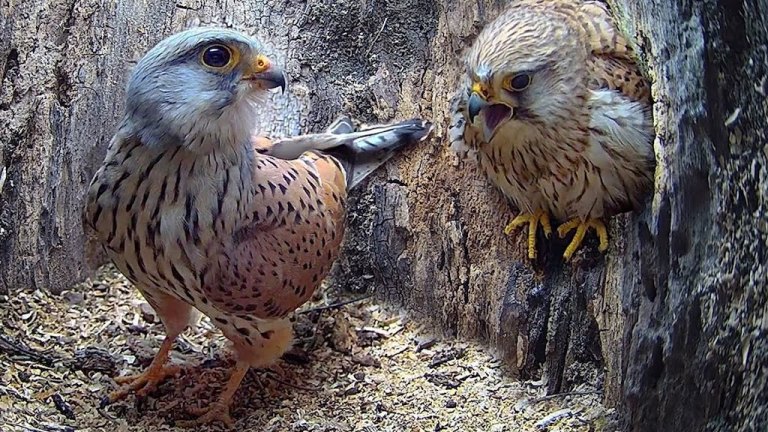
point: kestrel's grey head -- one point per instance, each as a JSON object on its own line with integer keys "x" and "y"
{"x": 199, "y": 89}
{"x": 525, "y": 66}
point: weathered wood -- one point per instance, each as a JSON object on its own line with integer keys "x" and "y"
{"x": 64, "y": 65}
{"x": 438, "y": 249}
{"x": 428, "y": 229}
{"x": 673, "y": 312}
{"x": 698, "y": 313}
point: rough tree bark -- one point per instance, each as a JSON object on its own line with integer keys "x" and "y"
{"x": 698, "y": 310}
{"x": 676, "y": 298}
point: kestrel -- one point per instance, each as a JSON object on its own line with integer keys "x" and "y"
{"x": 202, "y": 217}
{"x": 557, "y": 114}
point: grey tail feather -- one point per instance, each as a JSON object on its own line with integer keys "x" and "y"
{"x": 362, "y": 152}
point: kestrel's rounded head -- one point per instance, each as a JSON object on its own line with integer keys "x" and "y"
{"x": 198, "y": 88}
{"x": 529, "y": 65}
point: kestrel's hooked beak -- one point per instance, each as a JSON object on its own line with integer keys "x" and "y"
{"x": 494, "y": 113}
{"x": 477, "y": 100}
{"x": 262, "y": 71}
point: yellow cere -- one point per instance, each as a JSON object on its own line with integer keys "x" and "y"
{"x": 480, "y": 89}
{"x": 261, "y": 63}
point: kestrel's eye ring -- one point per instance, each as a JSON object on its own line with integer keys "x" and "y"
{"x": 518, "y": 82}
{"x": 217, "y": 56}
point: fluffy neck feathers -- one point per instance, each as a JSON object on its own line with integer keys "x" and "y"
{"x": 201, "y": 133}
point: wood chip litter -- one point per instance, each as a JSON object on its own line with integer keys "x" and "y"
{"x": 357, "y": 366}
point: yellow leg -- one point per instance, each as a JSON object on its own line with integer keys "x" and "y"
{"x": 147, "y": 381}
{"x": 581, "y": 230}
{"x": 219, "y": 410}
{"x": 539, "y": 217}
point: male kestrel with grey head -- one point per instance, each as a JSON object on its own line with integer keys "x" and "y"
{"x": 557, "y": 114}
{"x": 202, "y": 217}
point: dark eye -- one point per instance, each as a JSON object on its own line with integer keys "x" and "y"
{"x": 217, "y": 56}
{"x": 519, "y": 82}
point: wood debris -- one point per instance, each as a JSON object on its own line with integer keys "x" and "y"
{"x": 357, "y": 367}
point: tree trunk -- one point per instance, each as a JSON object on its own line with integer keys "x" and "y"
{"x": 670, "y": 318}
{"x": 697, "y": 315}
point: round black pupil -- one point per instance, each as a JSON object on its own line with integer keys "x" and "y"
{"x": 520, "y": 81}
{"x": 216, "y": 57}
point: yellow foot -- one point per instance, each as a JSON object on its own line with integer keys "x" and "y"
{"x": 581, "y": 230}
{"x": 539, "y": 217}
{"x": 217, "y": 411}
{"x": 143, "y": 383}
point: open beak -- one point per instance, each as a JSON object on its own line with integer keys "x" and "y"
{"x": 475, "y": 105}
{"x": 494, "y": 114}
{"x": 266, "y": 74}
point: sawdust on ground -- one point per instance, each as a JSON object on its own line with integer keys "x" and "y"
{"x": 357, "y": 367}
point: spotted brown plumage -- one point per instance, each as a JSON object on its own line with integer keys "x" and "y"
{"x": 557, "y": 114}
{"x": 201, "y": 217}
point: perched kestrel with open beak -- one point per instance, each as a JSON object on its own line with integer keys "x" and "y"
{"x": 557, "y": 114}
{"x": 202, "y": 217}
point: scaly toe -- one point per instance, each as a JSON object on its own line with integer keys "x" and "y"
{"x": 581, "y": 230}
{"x": 545, "y": 224}
{"x": 127, "y": 379}
{"x": 532, "y": 241}
{"x": 533, "y": 221}
{"x": 602, "y": 234}
{"x": 155, "y": 380}
{"x": 567, "y": 227}
{"x": 517, "y": 222}
{"x": 143, "y": 383}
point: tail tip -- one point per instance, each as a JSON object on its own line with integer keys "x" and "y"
{"x": 420, "y": 129}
